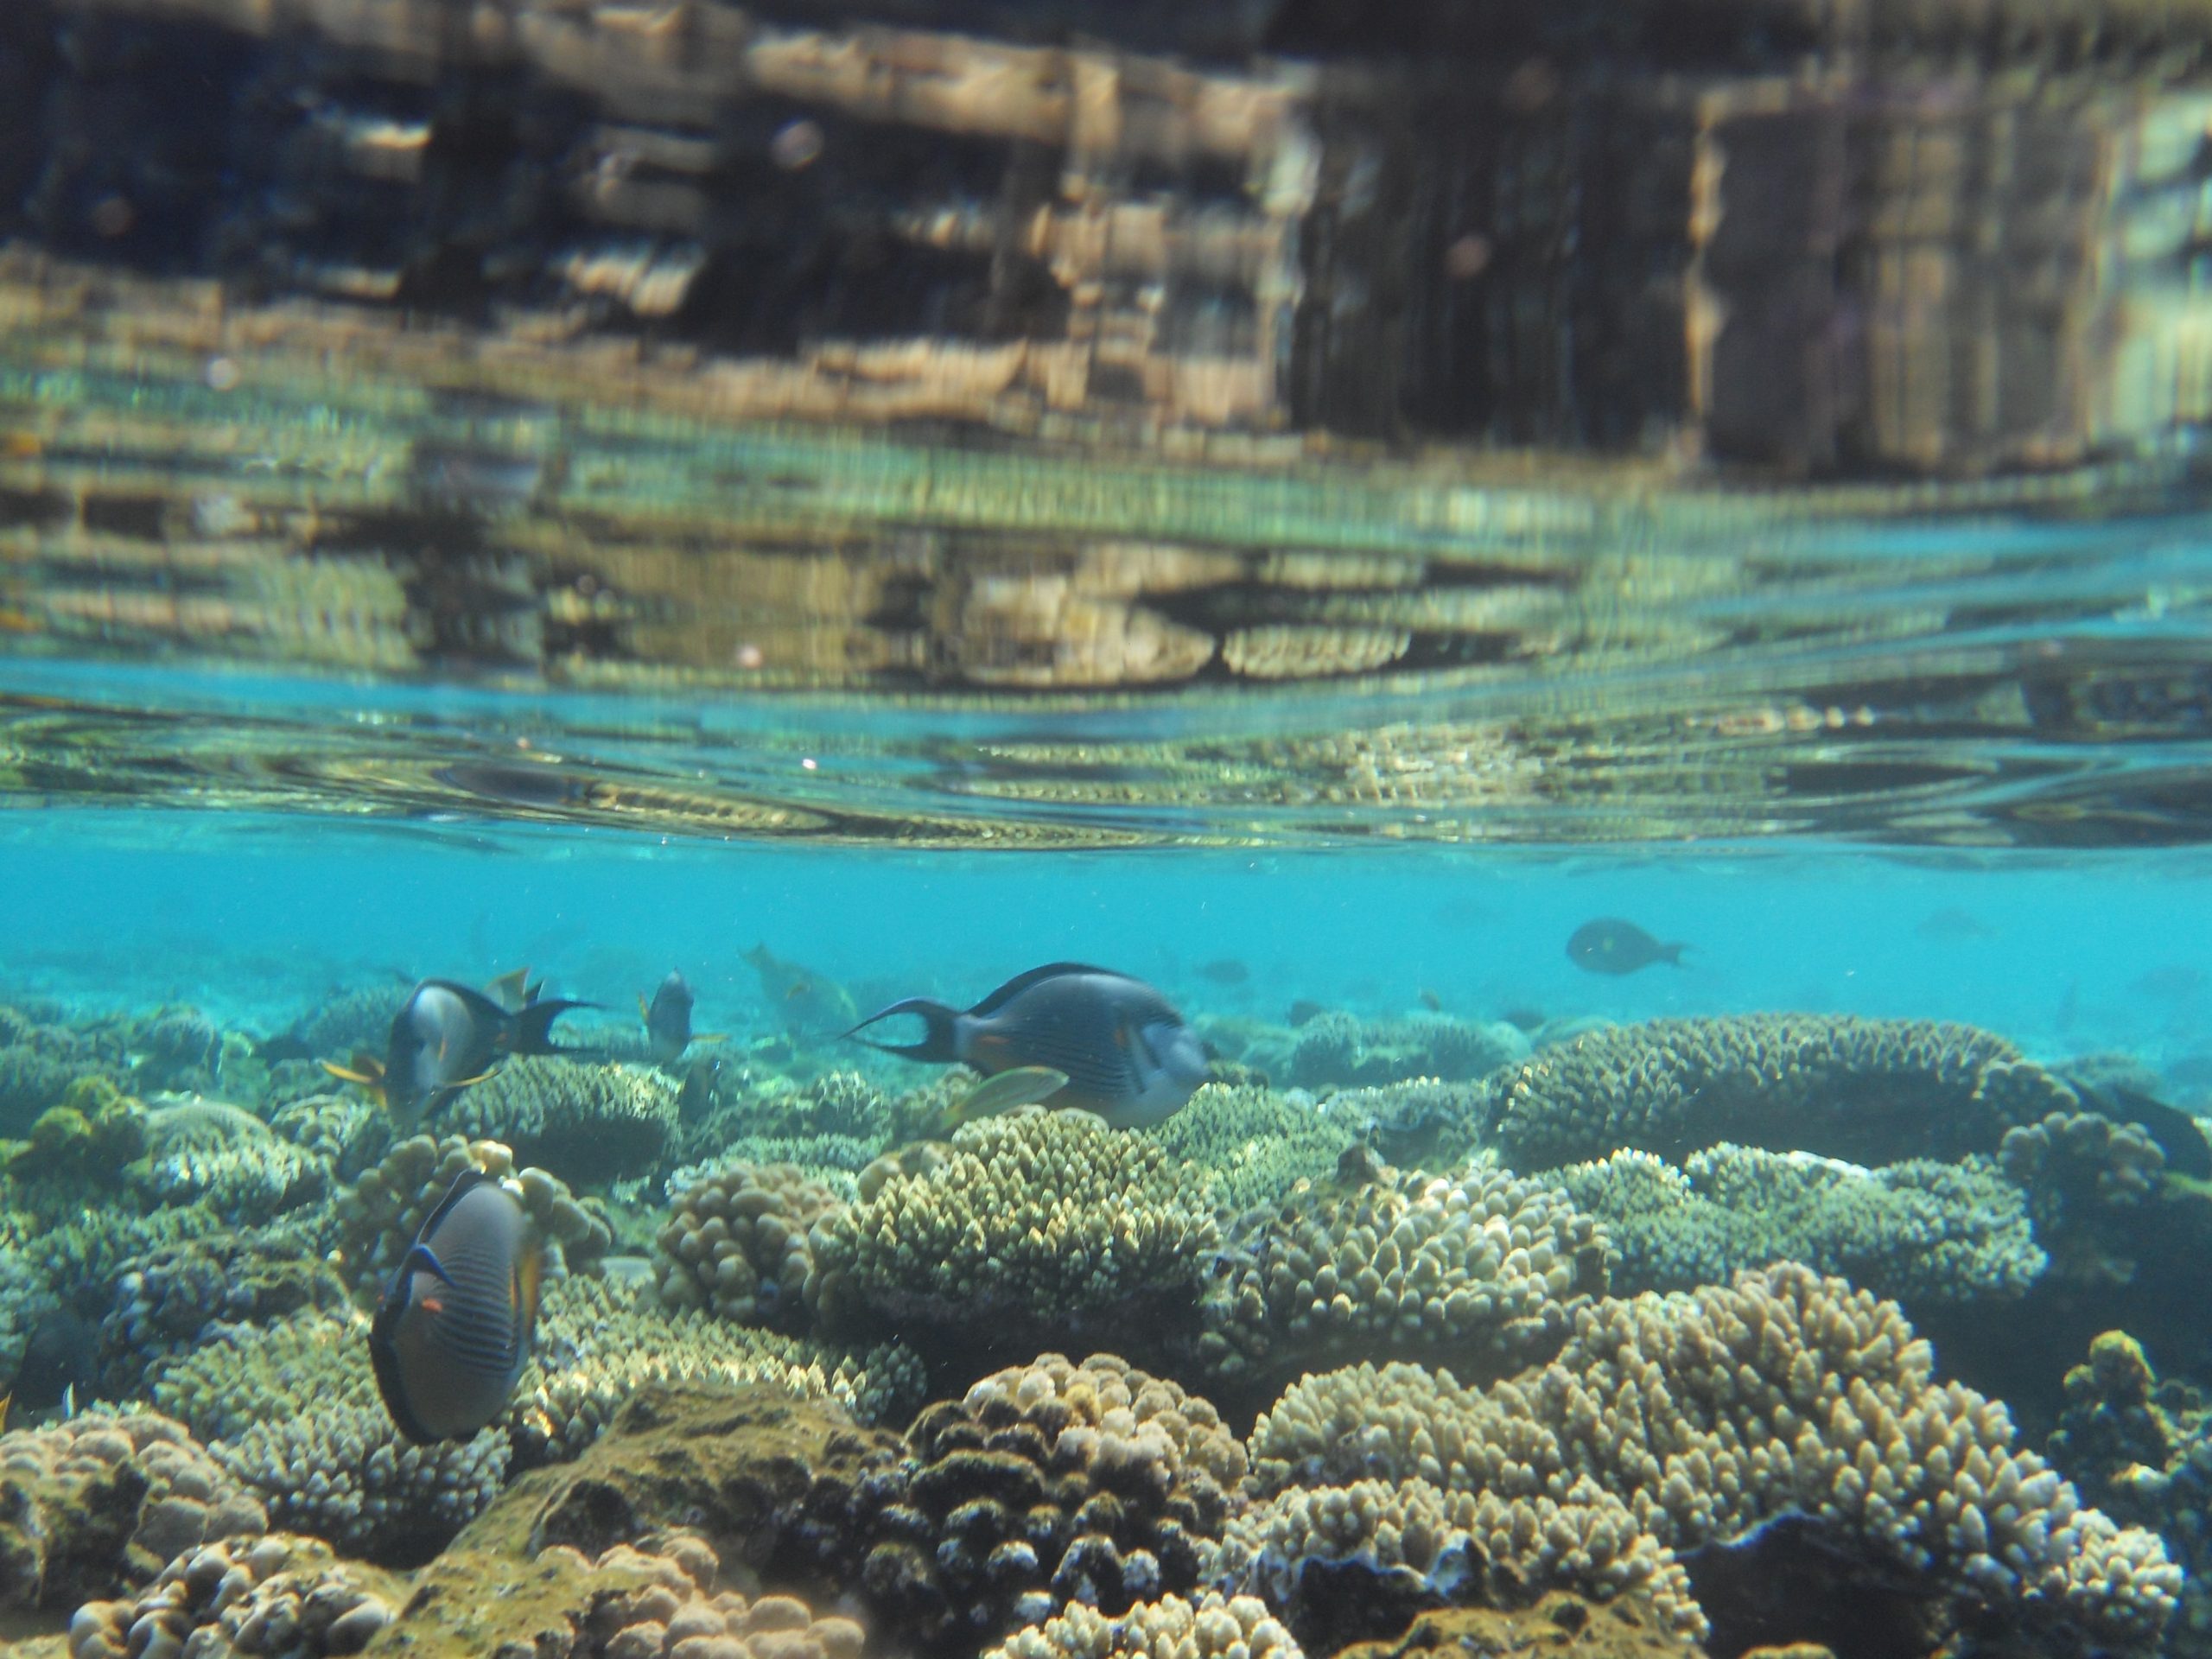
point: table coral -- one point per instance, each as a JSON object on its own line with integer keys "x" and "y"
{"x": 587, "y": 1123}
{"x": 1924, "y": 1232}
{"x": 1875, "y": 1091}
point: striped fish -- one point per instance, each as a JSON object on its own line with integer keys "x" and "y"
{"x": 452, "y": 1335}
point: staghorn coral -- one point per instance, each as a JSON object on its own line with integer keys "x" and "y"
{"x": 167, "y": 1297}
{"x": 1920, "y": 1231}
{"x": 278, "y": 1594}
{"x": 1034, "y": 1220}
{"x": 1048, "y": 1483}
{"x": 1711, "y": 1415}
{"x": 1239, "y": 1627}
{"x": 1481, "y": 1268}
{"x": 96, "y": 1505}
{"x": 737, "y": 1242}
{"x": 597, "y": 1347}
{"x": 379, "y": 1216}
{"x": 1875, "y": 1091}
{"x": 587, "y": 1123}
{"x": 1253, "y": 1146}
{"x": 291, "y": 1410}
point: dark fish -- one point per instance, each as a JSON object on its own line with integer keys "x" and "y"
{"x": 451, "y": 1334}
{"x": 63, "y": 1355}
{"x": 1610, "y": 945}
{"x": 1225, "y": 971}
{"x": 2179, "y": 1135}
{"x": 1303, "y": 1013}
{"x": 2175, "y": 981}
{"x": 1127, "y": 1054}
{"x": 1432, "y": 1001}
{"x": 1526, "y": 1019}
{"x": 668, "y": 1020}
{"x": 445, "y": 1037}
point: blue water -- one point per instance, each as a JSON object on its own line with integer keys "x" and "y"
{"x": 253, "y": 919}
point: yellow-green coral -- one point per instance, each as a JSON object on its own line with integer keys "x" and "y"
{"x": 1253, "y": 1146}
{"x": 586, "y": 1122}
{"x": 1480, "y": 1264}
{"x": 1874, "y": 1090}
{"x": 1919, "y": 1231}
{"x": 1216, "y": 1627}
{"x": 1038, "y": 1216}
{"x": 1708, "y": 1415}
{"x": 597, "y": 1346}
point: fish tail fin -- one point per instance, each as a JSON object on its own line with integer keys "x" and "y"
{"x": 1671, "y": 952}
{"x": 644, "y": 1011}
{"x": 940, "y": 1042}
{"x": 532, "y": 1030}
{"x": 367, "y": 1070}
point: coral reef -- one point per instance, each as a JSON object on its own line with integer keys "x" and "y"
{"x": 1478, "y": 1269}
{"x": 96, "y": 1506}
{"x": 1237, "y": 1627}
{"x": 379, "y": 1216}
{"x": 1253, "y": 1146}
{"x": 1048, "y": 1483}
{"x": 166, "y": 1298}
{"x": 1874, "y": 1091}
{"x": 587, "y": 1123}
{"x": 737, "y": 1242}
{"x": 1709, "y": 1416}
{"x": 596, "y": 1347}
{"x": 347, "y": 1133}
{"x": 1925, "y": 1233}
{"x": 1336, "y": 1049}
{"x": 38, "y": 1064}
{"x": 287, "y": 1597}
{"x": 1035, "y": 1220}
{"x": 198, "y": 1148}
{"x": 291, "y": 1410}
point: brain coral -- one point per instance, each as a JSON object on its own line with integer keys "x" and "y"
{"x": 291, "y": 1410}
{"x": 597, "y": 1347}
{"x": 1919, "y": 1231}
{"x": 1480, "y": 1267}
{"x": 1035, "y": 1218}
{"x": 1049, "y": 1483}
{"x": 1875, "y": 1091}
{"x": 97, "y": 1505}
{"x": 587, "y": 1123}
{"x": 288, "y": 1597}
{"x": 1710, "y": 1414}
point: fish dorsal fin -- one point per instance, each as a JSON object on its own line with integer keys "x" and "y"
{"x": 479, "y": 1004}
{"x": 464, "y": 1183}
{"x": 1021, "y": 983}
{"x": 421, "y": 1259}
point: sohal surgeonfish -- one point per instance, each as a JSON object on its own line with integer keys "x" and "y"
{"x": 452, "y": 1332}
{"x": 1610, "y": 945}
{"x": 445, "y": 1037}
{"x": 667, "y": 1020}
{"x": 1128, "y": 1055}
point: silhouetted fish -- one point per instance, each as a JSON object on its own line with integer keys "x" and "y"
{"x": 1128, "y": 1055}
{"x": 1304, "y": 1011}
{"x": 445, "y": 1037}
{"x": 1224, "y": 970}
{"x": 806, "y": 1004}
{"x": 668, "y": 1020}
{"x": 1432, "y": 1001}
{"x": 1954, "y": 925}
{"x": 1610, "y": 945}
{"x": 451, "y": 1334}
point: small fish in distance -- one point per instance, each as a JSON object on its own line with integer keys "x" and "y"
{"x": 1610, "y": 945}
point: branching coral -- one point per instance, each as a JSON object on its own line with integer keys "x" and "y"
{"x": 1252, "y": 1147}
